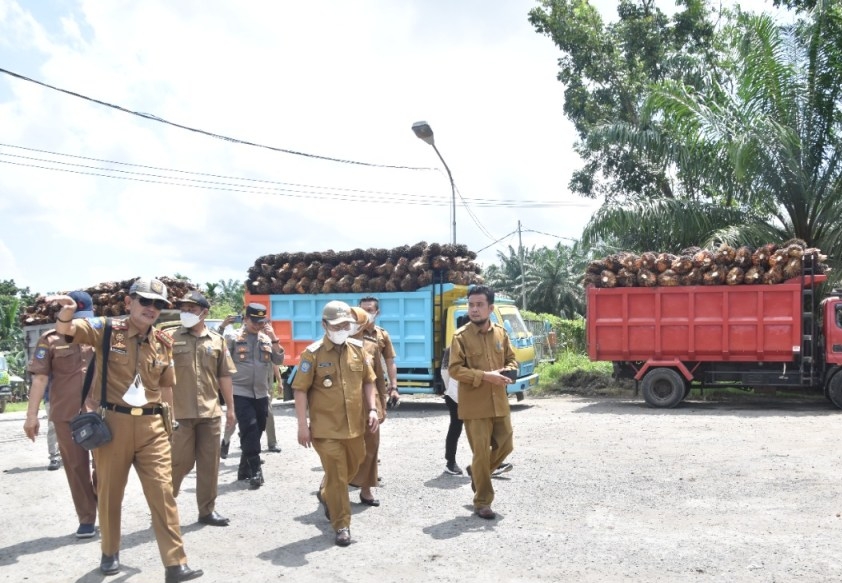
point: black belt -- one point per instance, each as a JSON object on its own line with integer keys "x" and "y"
{"x": 156, "y": 410}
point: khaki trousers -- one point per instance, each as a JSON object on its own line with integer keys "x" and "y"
{"x": 340, "y": 459}
{"x": 196, "y": 441}
{"x": 271, "y": 439}
{"x": 491, "y": 441}
{"x": 141, "y": 442}
{"x": 77, "y": 467}
{"x": 367, "y": 474}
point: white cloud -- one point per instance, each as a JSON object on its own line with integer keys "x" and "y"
{"x": 334, "y": 78}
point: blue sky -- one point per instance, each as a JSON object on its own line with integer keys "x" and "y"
{"x": 332, "y": 78}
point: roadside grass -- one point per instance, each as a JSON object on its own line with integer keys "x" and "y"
{"x": 574, "y": 373}
{"x": 16, "y": 407}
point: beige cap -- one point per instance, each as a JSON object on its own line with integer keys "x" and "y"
{"x": 336, "y": 312}
{"x": 154, "y": 289}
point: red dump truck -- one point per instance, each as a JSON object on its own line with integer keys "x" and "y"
{"x": 746, "y": 336}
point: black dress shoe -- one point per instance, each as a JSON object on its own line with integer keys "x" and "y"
{"x": 369, "y": 501}
{"x": 110, "y": 564}
{"x": 343, "y": 537}
{"x": 223, "y": 449}
{"x": 182, "y": 573}
{"x": 214, "y": 519}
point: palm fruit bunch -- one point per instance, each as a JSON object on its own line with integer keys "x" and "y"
{"x": 404, "y": 268}
{"x": 725, "y": 265}
{"x": 108, "y": 299}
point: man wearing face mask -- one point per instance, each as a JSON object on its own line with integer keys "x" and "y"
{"x": 372, "y": 305}
{"x": 203, "y": 369}
{"x": 366, "y": 477}
{"x": 139, "y": 379}
{"x": 255, "y": 350}
{"x": 336, "y": 382}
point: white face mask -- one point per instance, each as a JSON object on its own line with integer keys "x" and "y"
{"x": 136, "y": 393}
{"x": 338, "y": 337}
{"x": 355, "y": 328}
{"x": 189, "y": 319}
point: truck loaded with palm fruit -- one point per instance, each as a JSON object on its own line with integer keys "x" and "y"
{"x": 421, "y": 289}
{"x": 745, "y": 318}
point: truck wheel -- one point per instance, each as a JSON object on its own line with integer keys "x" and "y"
{"x": 663, "y": 387}
{"x": 519, "y": 396}
{"x": 2, "y": 405}
{"x": 834, "y": 389}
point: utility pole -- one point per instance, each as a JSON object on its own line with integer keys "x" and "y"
{"x": 522, "y": 276}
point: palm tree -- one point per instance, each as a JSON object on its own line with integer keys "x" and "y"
{"x": 755, "y": 156}
{"x": 506, "y": 277}
{"x": 553, "y": 281}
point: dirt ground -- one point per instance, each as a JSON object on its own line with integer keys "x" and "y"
{"x": 603, "y": 489}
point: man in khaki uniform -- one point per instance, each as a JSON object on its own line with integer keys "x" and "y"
{"x": 387, "y": 350}
{"x": 336, "y": 381}
{"x": 203, "y": 369}
{"x": 64, "y": 366}
{"x": 479, "y": 352}
{"x": 366, "y": 477}
{"x": 140, "y": 378}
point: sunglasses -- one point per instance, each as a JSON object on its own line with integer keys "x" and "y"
{"x": 146, "y": 302}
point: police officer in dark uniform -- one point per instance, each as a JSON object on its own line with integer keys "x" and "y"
{"x": 140, "y": 378}
{"x": 255, "y": 350}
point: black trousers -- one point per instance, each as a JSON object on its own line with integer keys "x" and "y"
{"x": 454, "y": 431}
{"x": 251, "y": 420}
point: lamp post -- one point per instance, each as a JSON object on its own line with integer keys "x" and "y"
{"x": 423, "y": 131}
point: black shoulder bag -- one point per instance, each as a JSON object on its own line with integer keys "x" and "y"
{"x": 89, "y": 430}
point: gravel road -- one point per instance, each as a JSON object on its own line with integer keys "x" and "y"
{"x": 603, "y": 489}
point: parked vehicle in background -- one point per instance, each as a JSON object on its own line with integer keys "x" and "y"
{"x": 420, "y": 323}
{"x": 746, "y": 336}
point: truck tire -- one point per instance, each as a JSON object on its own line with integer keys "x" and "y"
{"x": 834, "y": 389}
{"x": 663, "y": 387}
{"x": 2, "y": 405}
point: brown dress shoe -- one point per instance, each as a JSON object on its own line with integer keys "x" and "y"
{"x": 485, "y": 512}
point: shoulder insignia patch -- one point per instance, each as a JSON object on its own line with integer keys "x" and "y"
{"x": 305, "y": 366}
{"x": 164, "y": 338}
{"x": 40, "y": 353}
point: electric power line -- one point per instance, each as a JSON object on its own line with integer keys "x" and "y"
{"x": 254, "y": 185}
{"x": 151, "y": 117}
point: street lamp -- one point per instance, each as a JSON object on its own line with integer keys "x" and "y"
{"x": 423, "y": 130}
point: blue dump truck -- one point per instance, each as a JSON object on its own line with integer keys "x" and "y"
{"x": 420, "y": 323}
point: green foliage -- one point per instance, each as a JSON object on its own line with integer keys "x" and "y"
{"x": 752, "y": 151}
{"x": 12, "y": 300}
{"x": 572, "y": 370}
{"x": 570, "y": 334}
{"x": 549, "y": 278}
{"x": 606, "y": 70}
{"x": 231, "y": 293}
